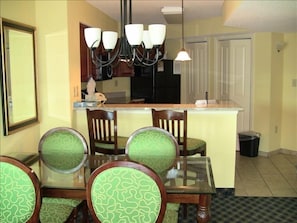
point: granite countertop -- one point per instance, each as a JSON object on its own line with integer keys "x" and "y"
{"x": 215, "y": 106}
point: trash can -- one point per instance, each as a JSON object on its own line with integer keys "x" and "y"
{"x": 249, "y": 143}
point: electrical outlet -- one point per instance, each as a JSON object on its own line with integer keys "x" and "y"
{"x": 276, "y": 129}
{"x": 294, "y": 82}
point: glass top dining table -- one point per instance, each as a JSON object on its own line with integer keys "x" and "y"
{"x": 189, "y": 180}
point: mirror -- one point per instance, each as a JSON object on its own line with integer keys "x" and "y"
{"x": 18, "y": 76}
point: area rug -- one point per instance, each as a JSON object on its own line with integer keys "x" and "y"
{"x": 232, "y": 209}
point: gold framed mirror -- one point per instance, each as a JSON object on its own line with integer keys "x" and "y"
{"x": 18, "y": 77}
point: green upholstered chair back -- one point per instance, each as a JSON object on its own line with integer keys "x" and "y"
{"x": 20, "y": 199}
{"x": 63, "y": 149}
{"x": 125, "y": 191}
{"x": 154, "y": 147}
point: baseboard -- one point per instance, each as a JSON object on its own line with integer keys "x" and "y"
{"x": 222, "y": 192}
{"x": 277, "y": 151}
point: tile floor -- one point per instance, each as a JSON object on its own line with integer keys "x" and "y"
{"x": 274, "y": 176}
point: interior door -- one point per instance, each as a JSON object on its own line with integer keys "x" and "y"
{"x": 234, "y": 77}
{"x": 196, "y": 72}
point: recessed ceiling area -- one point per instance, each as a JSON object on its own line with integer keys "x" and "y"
{"x": 265, "y": 16}
{"x": 256, "y": 16}
{"x": 149, "y": 11}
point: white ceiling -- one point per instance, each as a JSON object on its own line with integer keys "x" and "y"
{"x": 254, "y": 15}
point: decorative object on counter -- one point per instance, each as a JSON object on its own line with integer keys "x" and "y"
{"x": 135, "y": 45}
{"x": 183, "y": 54}
{"x": 206, "y": 102}
{"x": 100, "y": 98}
{"x": 91, "y": 87}
{"x": 92, "y": 99}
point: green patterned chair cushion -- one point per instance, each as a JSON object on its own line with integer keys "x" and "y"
{"x": 193, "y": 143}
{"x": 70, "y": 202}
{"x": 54, "y": 212}
{"x": 153, "y": 147}
{"x": 123, "y": 194}
{"x": 171, "y": 214}
{"x": 57, "y": 145}
{"x": 122, "y": 141}
{"x": 17, "y": 194}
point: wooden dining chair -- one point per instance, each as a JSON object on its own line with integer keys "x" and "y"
{"x": 154, "y": 147}
{"x": 126, "y": 191}
{"x": 20, "y": 198}
{"x": 103, "y": 133}
{"x": 176, "y": 123}
{"x": 63, "y": 150}
{"x": 158, "y": 149}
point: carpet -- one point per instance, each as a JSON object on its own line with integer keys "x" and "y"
{"x": 232, "y": 209}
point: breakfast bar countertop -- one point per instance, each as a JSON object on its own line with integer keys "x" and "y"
{"x": 224, "y": 105}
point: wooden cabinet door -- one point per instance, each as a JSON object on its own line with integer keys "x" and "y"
{"x": 123, "y": 70}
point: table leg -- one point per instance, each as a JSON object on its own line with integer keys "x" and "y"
{"x": 203, "y": 209}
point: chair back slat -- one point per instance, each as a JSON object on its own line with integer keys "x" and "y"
{"x": 102, "y": 126}
{"x": 174, "y": 122}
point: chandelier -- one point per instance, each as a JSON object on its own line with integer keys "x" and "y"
{"x": 135, "y": 46}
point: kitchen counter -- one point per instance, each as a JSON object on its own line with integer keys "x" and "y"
{"x": 218, "y": 105}
{"x": 216, "y": 123}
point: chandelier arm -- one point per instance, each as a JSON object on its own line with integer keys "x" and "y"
{"x": 153, "y": 61}
{"x": 98, "y": 62}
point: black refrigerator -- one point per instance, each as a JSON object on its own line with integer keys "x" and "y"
{"x": 156, "y": 86}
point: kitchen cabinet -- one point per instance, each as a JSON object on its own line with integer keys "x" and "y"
{"x": 88, "y": 69}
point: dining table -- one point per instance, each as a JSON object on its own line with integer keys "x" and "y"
{"x": 189, "y": 180}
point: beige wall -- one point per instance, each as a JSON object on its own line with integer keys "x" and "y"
{"x": 58, "y": 61}
{"x": 288, "y": 127}
{"x": 26, "y": 139}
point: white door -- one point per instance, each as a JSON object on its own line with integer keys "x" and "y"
{"x": 234, "y": 77}
{"x": 196, "y": 72}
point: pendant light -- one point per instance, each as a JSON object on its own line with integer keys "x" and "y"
{"x": 183, "y": 54}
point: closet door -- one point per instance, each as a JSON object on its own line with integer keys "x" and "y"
{"x": 234, "y": 76}
{"x": 196, "y": 73}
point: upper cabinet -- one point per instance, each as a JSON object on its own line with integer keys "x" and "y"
{"x": 88, "y": 69}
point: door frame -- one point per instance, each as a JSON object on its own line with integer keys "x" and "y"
{"x": 216, "y": 67}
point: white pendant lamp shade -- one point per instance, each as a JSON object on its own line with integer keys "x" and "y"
{"x": 109, "y": 39}
{"x": 183, "y": 56}
{"x": 92, "y": 37}
{"x": 146, "y": 40}
{"x": 157, "y": 33}
{"x": 134, "y": 34}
